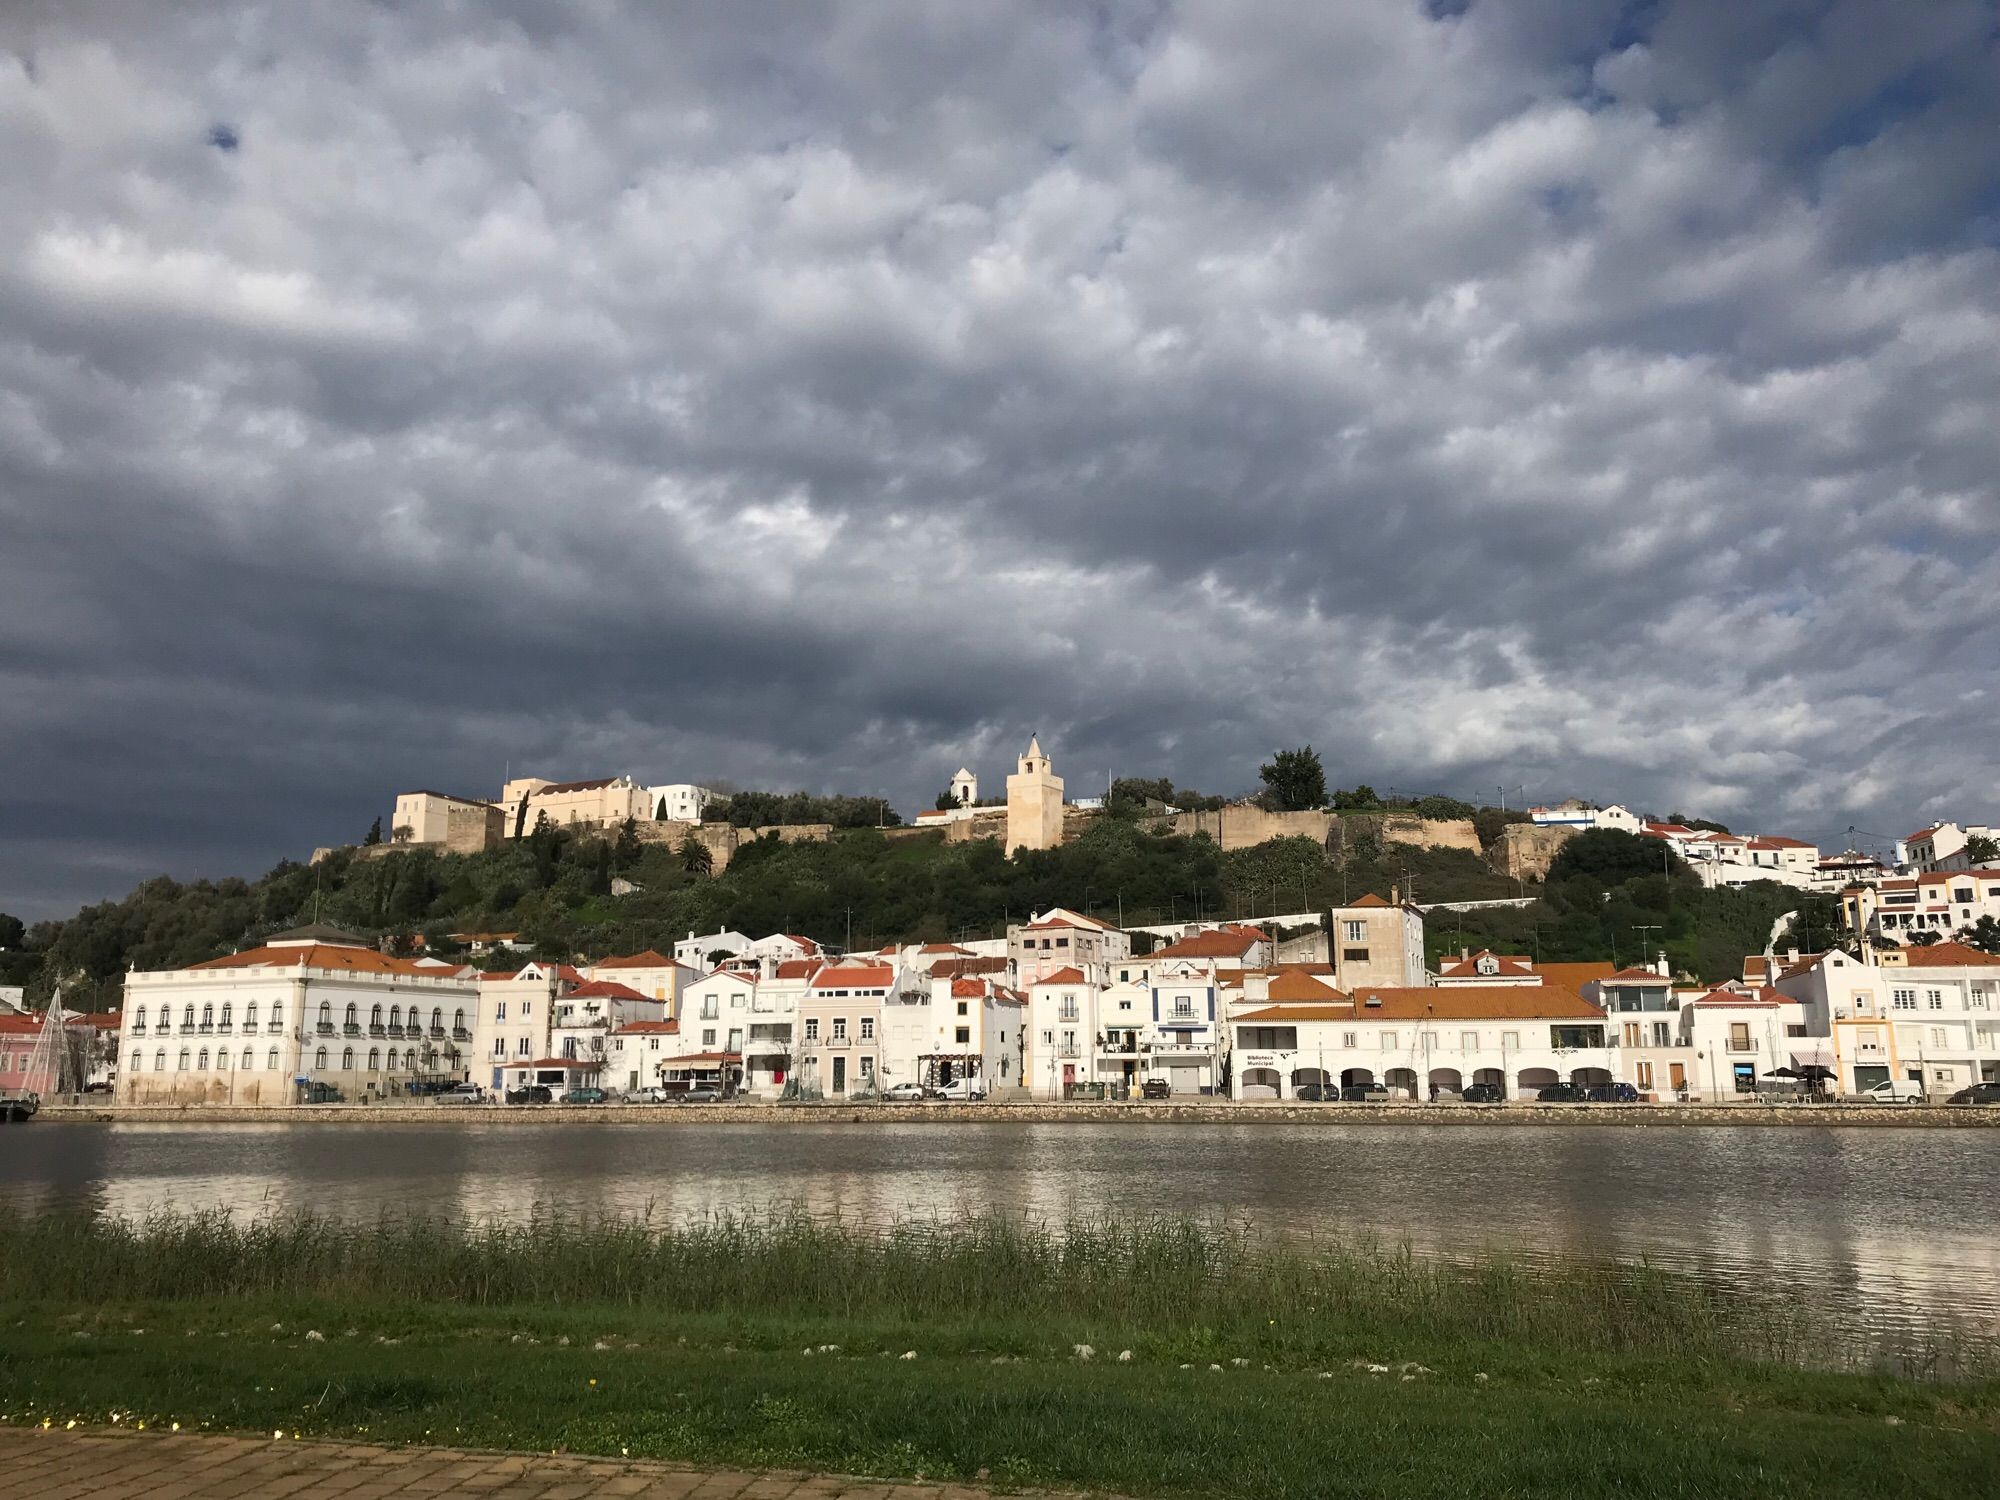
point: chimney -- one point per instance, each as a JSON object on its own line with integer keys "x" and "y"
{"x": 1395, "y": 893}
{"x": 1464, "y": 954}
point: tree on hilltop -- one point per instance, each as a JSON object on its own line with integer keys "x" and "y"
{"x": 1294, "y": 780}
{"x": 374, "y": 834}
{"x": 696, "y": 857}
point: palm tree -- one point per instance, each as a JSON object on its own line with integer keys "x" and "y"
{"x": 695, "y": 856}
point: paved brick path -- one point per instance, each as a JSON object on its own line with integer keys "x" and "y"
{"x": 56, "y": 1465}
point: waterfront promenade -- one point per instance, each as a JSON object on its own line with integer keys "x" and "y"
{"x": 1041, "y": 1112}
{"x": 39, "y": 1464}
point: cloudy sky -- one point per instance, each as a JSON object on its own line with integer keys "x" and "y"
{"x": 1585, "y": 397}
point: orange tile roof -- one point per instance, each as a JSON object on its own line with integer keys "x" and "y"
{"x": 1371, "y": 899}
{"x": 604, "y": 989}
{"x": 1474, "y": 1001}
{"x": 1765, "y": 997}
{"x": 1517, "y": 967}
{"x": 1949, "y": 956}
{"x": 853, "y": 976}
{"x": 967, "y": 989}
{"x": 647, "y": 960}
{"x": 1297, "y": 986}
{"x": 646, "y": 1028}
{"x": 327, "y": 956}
{"x": 799, "y": 968}
{"x": 1071, "y": 975}
{"x": 1230, "y": 943}
{"x": 1646, "y": 974}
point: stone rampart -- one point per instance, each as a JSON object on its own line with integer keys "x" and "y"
{"x": 1523, "y": 850}
{"x": 1244, "y": 825}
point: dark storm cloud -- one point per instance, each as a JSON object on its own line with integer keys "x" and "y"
{"x": 1591, "y": 396}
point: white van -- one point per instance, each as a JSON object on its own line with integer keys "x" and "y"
{"x": 1895, "y": 1091}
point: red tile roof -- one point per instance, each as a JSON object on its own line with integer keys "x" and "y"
{"x": 1295, "y": 986}
{"x": 1070, "y": 975}
{"x": 327, "y": 956}
{"x": 648, "y": 1028}
{"x": 1518, "y": 968}
{"x": 1228, "y": 943}
{"x": 1950, "y": 956}
{"x": 1473, "y": 1002}
{"x": 647, "y": 960}
{"x": 799, "y": 968}
{"x": 604, "y": 989}
{"x": 854, "y": 976}
{"x": 1646, "y": 974}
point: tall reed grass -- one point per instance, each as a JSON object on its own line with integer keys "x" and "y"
{"x": 1156, "y": 1274}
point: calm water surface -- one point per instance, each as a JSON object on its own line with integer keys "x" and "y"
{"x": 1896, "y": 1226}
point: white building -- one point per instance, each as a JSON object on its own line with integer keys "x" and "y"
{"x": 680, "y": 802}
{"x": 1931, "y": 1014}
{"x": 310, "y": 1007}
{"x": 1938, "y": 904}
{"x": 1062, "y": 1033}
{"x": 703, "y": 953}
{"x": 1519, "y": 1038}
{"x": 1938, "y": 847}
{"x": 1572, "y": 813}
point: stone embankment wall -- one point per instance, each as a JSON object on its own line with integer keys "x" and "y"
{"x": 1206, "y": 1112}
{"x": 1523, "y": 850}
{"x": 1245, "y": 824}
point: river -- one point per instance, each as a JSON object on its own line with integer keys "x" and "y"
{"x": 1895, "y": 1227}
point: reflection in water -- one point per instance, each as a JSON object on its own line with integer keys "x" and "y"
{"x": 1891, "y": 1224}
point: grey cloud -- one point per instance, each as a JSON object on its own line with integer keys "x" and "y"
{"x": 1562, "y": 394}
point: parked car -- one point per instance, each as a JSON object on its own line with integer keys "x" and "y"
{"x": 1611, "y": 1093}
{"x": 700, "y": 1093}
{"x": 1314, "y": 1093}
{"x": 1979, "y": 1093}
{"x": 1482, "y": 1093}
{"x": 324, "y": 1093}
{"x": 530, "y": 1093}
{"x": 650, "y": 1095}
{"x": 903, "y": 1093}
{"x": 1895, "y": 1091}
{"x": 964, "y": 1090}
{"x": 584, "y": 1096}
{"x": 1364, "y": 1093}
{"x": 1560, "y": 1093}
{"x": 462, "y": 1093}
{"x": 99, "y": 1087}
{"x": 1156, "y": 1088}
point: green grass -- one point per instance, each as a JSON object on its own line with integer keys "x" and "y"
{"x": 1249, "y": 1370}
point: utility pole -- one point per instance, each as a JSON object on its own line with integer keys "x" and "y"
{"x": 1645, "y": 946}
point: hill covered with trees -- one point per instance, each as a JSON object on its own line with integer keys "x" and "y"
{"x": 1608, "y": 897}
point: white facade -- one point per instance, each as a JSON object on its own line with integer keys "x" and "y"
{"x": 1575, "y": 814}
{"x": 1938, "y": 904}
{"x": 1520, "y": 1039}
{"x": 685, "y": 802}
{"x": 706, "y": 951}
{"x": 653, "y": 975}
{"x": 263, "y": 1026}
{"x": 1062, "y": 1033}
{"x": 1928, "y": 1014}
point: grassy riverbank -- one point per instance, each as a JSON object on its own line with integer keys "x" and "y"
{"x": 1254, "y": 1368}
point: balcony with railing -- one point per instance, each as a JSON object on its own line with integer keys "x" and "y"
{"x": 460, "y": 1034}
{"x": 324, "y": 1028}
{"x": 275, "y": 1028}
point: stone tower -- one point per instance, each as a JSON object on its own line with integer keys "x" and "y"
{"x": 964, "y": 788}
{"x": 1034, "y": 802}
